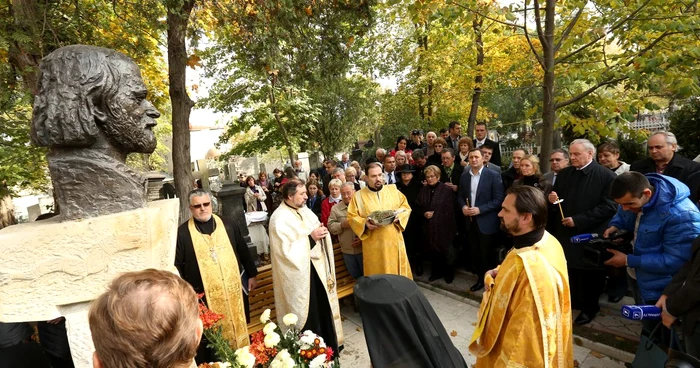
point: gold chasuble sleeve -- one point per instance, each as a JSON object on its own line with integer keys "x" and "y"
{"x": 290, "y": 253}
{"x": 383, "y": 248}
{"x": 221, "y": 278}
{"x": 525, "y": 320}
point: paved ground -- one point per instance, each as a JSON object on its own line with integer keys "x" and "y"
{"x": 456, "y": 315}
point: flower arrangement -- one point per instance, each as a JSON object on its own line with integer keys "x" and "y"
{"x": 269, "y": 348}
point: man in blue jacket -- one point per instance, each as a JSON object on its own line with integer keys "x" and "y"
{"x": 664, "y": 221}
{"x": 480, "y": 197}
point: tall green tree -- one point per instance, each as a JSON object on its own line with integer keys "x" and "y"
{"x": 283, "y": 49}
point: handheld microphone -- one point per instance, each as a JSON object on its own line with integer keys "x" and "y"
{"x": 584, "y": 238}
{"x": 641, "y": 312}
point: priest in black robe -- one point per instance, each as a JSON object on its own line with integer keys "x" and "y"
{"x": 217, "y": 244}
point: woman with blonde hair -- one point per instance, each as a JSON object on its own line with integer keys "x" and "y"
{"x": 333, "y": 198}
{"x": 530, "y": 170}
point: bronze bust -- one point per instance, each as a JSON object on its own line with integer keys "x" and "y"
{"x": 91, "y": 111}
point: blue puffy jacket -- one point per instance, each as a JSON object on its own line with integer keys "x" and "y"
{"x": 669, "y": 224}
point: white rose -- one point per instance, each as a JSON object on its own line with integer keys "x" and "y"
{"x": 318, "y": 362}
{"x": 290, "y": 319}
{"x": 245, "y": 358}
{"x": 265, "y": 316}
{"x": 271, "y": 340}
{"x": 269, "y": 328}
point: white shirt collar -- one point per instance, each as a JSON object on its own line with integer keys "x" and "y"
{"x": 585, "y": 166}
{"x": 335, "y": 200}
{"x": 481, "y": 141}
{"x": 471, "y": 172}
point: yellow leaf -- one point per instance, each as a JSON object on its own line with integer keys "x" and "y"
{"x": 194, "y": 61}
{"x": 453, "y": 333}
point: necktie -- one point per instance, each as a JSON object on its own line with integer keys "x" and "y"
{"x": 391, "y": 178}
{"x": 479, "y": 144}
{"x": 554, "y": 179}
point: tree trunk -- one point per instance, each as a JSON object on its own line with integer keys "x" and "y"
{"x": 476, "y": 24}
{"x": 7, "y": 210}
{"x": 548, "y": 106}
{"x": 178, "y": 19}
{"x": 285, "y": 136}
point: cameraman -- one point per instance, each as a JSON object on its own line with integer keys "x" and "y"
{"x": 664, "y": 222}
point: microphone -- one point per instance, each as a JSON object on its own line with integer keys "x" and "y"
{"x": 641, "y": 312}
{"x": 584, "y": 238}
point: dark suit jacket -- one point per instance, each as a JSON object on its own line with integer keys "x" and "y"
{"x": 489, "y": 196}
{"x": 456, "y": 174}
{"x": 684, "y": 291}
{"x": 586, "y": 201}
{"x": 679, "y": 168}
{"x": 450, "y": 145}
{"x": 316, "y": 206}
{"x": 496, "y": 157}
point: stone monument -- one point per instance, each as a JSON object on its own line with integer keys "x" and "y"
{"x": 91, "y": 111}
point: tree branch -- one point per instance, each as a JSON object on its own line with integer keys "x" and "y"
{"x": 569, "y": 27}
{"x": 588, "y": 92}
{"x": 486, "y": 16}
{"x": 538, "y": 24}
{"x": 613, "y": 28}
{"x": 539, "y": 58}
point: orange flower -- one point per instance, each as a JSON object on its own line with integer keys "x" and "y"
{"x": 208, "y": 317}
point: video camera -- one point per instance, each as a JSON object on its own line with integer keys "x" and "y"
{"x": 595, "y": 246}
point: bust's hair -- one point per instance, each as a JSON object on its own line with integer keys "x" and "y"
{"x": 74, "y": 82}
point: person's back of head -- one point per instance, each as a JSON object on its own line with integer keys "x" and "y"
{"x": 148, "y": 318}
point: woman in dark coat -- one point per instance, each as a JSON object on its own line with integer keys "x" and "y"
{"x": 412, "y": 235}
{"x": 315, "y": 198}
{"x": 530, "y": 170}
{"x": 436, "y": 158}
{"x": 267, "y": 187}
{"x": 436, "y": 203}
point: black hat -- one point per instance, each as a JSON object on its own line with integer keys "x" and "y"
{"x": 405, "y": 169}
{"x": 417, "y": 132}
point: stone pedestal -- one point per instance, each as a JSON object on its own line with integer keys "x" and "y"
{"x": 53, "y": 268}
{"x": 231, "y": 205}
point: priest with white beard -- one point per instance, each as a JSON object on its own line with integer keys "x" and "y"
{"x": 303, "y": 267}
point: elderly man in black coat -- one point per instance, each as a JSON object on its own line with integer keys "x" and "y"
{"x": 587, "y": 208}
{"x": 663, "y": 159}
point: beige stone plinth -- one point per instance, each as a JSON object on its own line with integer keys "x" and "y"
{"x": 52, "y": 268}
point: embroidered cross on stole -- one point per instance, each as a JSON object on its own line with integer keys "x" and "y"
{"x": 221, "y": 278}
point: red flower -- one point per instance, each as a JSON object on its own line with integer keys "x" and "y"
{"x": 329, "y": 354}
{"x": 208, "y": 317}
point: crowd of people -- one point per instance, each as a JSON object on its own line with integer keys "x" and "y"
{"x": 455, "y": 187}
{"x": 452, "y": 204}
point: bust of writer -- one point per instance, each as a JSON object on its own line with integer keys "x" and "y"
{"x": 91, "y": 111}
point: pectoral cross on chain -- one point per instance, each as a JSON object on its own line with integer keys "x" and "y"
{"x": 213, "y": 255}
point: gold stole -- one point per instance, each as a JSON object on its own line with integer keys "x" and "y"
{"x": 221, "y": 278}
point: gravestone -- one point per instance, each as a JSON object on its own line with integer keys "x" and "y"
{"x": 91, "y": 112}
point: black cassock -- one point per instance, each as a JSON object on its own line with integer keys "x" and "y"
{"x": 320, "y": 317}
{"x": 587, "y": 201}
{"x": 186, "y": 263}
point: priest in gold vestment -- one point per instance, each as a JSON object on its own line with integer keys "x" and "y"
{"x": 212, "y": 256}
{"x": 383, "y": 246}
{"x": 303, "y": 267}
{"x": 525, "y": 314}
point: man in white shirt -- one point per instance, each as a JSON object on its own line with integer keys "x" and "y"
{"x": 481, "y": 133}
{"x": 480, "y": 196}
{"x": 389, "y": 170}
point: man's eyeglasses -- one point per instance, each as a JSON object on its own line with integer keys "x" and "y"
{"x": 198, "y": 206}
